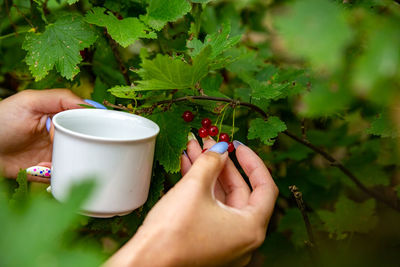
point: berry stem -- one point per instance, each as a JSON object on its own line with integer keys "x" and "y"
{"x": 378, "y": 196}
{"x": 233, "y": 123}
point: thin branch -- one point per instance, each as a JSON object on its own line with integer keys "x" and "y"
{"x": 311, "y": 244}
{"x": 298, "y": 196}
{"x": 120, "y": 107}
{"x": 9, "y": 17}
{"x": 22, "y": 14}
{"x": 392, "y": 204}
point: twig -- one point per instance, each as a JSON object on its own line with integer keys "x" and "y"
{"x": 311, "y": 244}
{"x": 122, "y": 68}
{"x": 392, "y": 204}
{"x": 9, "y": 16}
{"x": 121, "y": 107}
{"x": 22, "y": 14}
{"x": 298, "y": 196}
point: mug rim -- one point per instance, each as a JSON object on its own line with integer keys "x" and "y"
{"x": 98, "y": 138}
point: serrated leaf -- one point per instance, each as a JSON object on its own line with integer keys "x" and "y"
{"x": 316, "y": 30}
{"x": 58, "y": 46}
{"x": 123, "y": 92}
{"x": 267, "y": 90}
{"x": 166, "y": 73}
{"x": 172, "y": 138}
{"x": 266, "y": 130}
{"x": 125, "y": 31}
{"x": 349, "y": 217}
{"x": 159, "y": 12}
{"x": 219, "y": 42}
{"x": 383, "y": 126}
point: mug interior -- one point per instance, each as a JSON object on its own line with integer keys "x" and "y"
{"x": 105, "y": 124}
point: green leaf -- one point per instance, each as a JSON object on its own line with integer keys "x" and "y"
{"x": 72, "y": 1}
{"x": 159, "y": 12}
{"x": 172, "y": 138}
{"x": 349, "y": 217}
{"x": 58, "y": 46}
{"x": 293, "y": 221}
{"x": 123, "y": 92}
{"x": 219, "y": 42}
{"x": 325, "y": 99}
{"x": 266, "y": 130}
{"x": 316, "y": 30}
{"x": 166, "y": 73}
{"x": 383, "y": 126}
{"x": 21, "y": 192}
{"x": 125, "y": 31}
{"x": 45, "y": 223}
{"x": 381, "y": 58}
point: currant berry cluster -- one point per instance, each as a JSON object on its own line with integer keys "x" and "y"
{"x": 208, "y": 129}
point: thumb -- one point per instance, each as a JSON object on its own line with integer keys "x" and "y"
{"x": 206, "y": 169}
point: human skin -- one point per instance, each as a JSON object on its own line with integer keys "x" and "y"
{"x": 24, "y": 139}
{"x": 209, "y": 218}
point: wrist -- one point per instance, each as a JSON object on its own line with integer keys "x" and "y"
{"x": 147, "y": 248}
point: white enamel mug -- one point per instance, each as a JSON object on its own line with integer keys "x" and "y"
{"x": 114, "y": 148}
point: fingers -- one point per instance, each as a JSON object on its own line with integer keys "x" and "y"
{"x": 206, "y": 169}
{"x": 194, "y": 150}
{"x": 265, "y": 192}
{"x": 236, "y": 189}
{"x": 185, "y": 164}
{"x": 51, "y": 101}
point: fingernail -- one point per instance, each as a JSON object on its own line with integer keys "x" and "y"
{"x": 39, "y": 171}
{"x": 191, "y": 136}
{"x": 48, "y": 124}
{"x": 184, "y": 153}
{"x": 220, "y": 147}
{"x": 94, "y": 104}
{"x": 205, "y": 139}
{"x": 237, "y": 143}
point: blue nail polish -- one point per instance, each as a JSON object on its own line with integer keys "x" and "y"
{"x": 48, "y": 124}
{"x": 237, "y": 143}
{"x": 94, "y": 104}
{"x": 220, "y": 147}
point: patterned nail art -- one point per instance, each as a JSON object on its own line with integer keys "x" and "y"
{"x": 39, "y": 171}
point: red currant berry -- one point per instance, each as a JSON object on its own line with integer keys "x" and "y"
{"x": 224, "y": 137}
{"x": 206, "y": 123}
{"x": 231, "y": 147}
{"x": 120, "y": 17}
{"x": 203, "y": 132}
{"x": 213, "y": 130}
{"x": 187, "y": 116}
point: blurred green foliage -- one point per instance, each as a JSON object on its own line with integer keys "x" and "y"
{"x": 327, "y": 71}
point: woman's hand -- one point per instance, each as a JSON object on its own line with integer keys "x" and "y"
{"x": 24, "y": 140}
{"x": 210, "y": 217}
